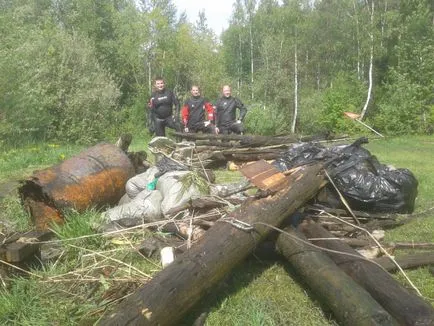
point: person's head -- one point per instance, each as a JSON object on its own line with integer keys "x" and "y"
{"x": 226, "y": 91}
{"x": 195, "y": 91}
{"x": 159, "y": 83}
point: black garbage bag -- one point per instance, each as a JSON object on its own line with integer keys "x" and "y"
{"x": 365, "y": 183}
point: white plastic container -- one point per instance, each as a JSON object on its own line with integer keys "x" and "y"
{"x": 167, "y": 256}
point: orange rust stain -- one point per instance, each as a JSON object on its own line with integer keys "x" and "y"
{"x": 104, "y": 187}
{"x": 43, "y": 215}
{"x": 45, "y": 176}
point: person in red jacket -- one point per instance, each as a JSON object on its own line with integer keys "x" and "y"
{"x": 197, "y": 113}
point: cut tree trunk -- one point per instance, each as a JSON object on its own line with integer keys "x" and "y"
{"x": 407, "y": 261}
{"x": 406, "y": 307}
{"x": 350, "y": 303}
{"x": 182, "y": 284}
{"x": 248, "y": 140}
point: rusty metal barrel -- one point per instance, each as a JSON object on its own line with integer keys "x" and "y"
{"x": 94, "y": 178}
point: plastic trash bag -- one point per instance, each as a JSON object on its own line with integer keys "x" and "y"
{"x": 145, "y": 206}
{"x": 174, "y": 193}
{"x": 364, "y": 182}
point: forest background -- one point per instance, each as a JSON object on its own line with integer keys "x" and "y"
{"x": 80, "y": 71}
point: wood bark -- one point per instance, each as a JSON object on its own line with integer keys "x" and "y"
{"x": 350, "y": 303}
{"x": 406, "y": 307}
{"x": 177, "y": 288}
{"x": 407, "y": 261}
{"x": 246, "y": 140}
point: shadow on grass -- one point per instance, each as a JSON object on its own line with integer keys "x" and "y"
{"x": 241, "y": 277}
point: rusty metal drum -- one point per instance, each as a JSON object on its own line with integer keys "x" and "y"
{"x": 94, "y": 178}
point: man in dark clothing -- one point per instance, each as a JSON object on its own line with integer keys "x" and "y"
{"x": 226, "y": 118}
{"x": 197, "y": 113}
{"x": 161, "y": 105}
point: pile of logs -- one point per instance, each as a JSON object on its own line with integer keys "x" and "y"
{"x": 358, "y": 291}
{"x": 215, "y": 150}
{"x": 317, "y": 241}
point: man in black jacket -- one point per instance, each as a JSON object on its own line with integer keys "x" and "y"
{"x": 161, "y": 105}
{"x": 226, "y": 117}
{"x": 197, "y": 113}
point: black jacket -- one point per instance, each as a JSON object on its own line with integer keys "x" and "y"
{"x": 226, "y": 111}
{"x": 162, "y": 103}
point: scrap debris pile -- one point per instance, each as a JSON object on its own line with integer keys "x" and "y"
{"x": 284, "y": 182}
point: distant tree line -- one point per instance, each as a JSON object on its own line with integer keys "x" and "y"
{"x": 82, "y": 70}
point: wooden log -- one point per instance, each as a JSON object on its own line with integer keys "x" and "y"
{"x": 22, "y": 246}
{"x": 350, "y": 303}
{"x": 245, "y": 140}
{"x": 174, "y": 290}
{"x": 407, "y": 261}
{"x": 412, "y": 245}
{"x": 406, "y": 307}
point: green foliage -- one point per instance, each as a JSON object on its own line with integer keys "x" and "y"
{"x": 193, "y": 179}
{"x": 401, "y": 108}
{"x": 60, "y": 91}
{"x": 345, "y": 95}
{"x": 21, "y": 161}
{"x": 12, "y": 215}
{"x": 310, "y": 113}
{"x": 78, "y": 226}
{"x": 264, "y": 121}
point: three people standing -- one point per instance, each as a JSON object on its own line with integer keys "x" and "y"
{"x": 198, "y": 114}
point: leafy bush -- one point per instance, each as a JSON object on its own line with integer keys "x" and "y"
{"x": 345, "y": 94}
{"x": 264, "y": 121}
{"x": 58, "y": 90}
{"x": 403, "y": 108}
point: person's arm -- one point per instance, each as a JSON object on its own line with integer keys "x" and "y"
{"x": 185, "y": 115}
{"x": 177, "y": 106}
{"x": 242, "y": 108}
{"x": 149, "y": 114}
{"x": 216, "y": 117}
{"x": 210, "y": 111}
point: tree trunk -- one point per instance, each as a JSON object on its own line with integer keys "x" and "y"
{"x": 406, "y": 307}
{"x": 294, "y": 118}
{"x": 371, "y": 63}
{"x": 250, "y": 140}
{"x": 177, "y": 288}
{"x": 350, "y": 303}
{"x": 406, "y": 262}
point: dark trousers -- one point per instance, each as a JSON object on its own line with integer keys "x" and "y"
{"x": 161, "y": 124}
{"x": 210, "y": 129}
{"x": 237, "y": 128}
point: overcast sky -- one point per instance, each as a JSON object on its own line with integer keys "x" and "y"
{"x": 217, "y": 12}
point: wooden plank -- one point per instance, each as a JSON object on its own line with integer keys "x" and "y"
{"x": 263, "y": 175}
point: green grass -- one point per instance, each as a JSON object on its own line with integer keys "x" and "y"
{"x": 20, "y": 162}
{"x": 258, "y": 292}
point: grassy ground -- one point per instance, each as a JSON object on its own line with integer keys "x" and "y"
{"x": 75, "y": 287}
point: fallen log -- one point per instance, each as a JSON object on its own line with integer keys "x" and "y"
{"x": 412, "y": 245}
{"x": 350, "y": 303}
{"x": 407, "y": 261}
{"x": 178, "y": 287}
{"x": 406, "y": 307}
{"x": 245, "y": 140}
